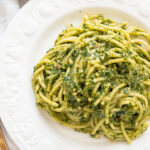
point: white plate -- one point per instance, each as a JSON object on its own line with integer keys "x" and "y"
{"x": 28, "y": 37}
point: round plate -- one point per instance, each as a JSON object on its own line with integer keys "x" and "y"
{"x": 31, "y": 33}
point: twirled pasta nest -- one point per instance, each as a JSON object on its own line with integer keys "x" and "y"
{"x": 96, "y": 79}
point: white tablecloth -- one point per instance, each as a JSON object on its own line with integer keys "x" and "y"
{"x": 8, "y": 9}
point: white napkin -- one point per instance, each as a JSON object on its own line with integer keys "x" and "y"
{"x": 8, "y": 9}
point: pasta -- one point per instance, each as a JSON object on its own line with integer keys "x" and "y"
{"x": 96, "y": 79}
